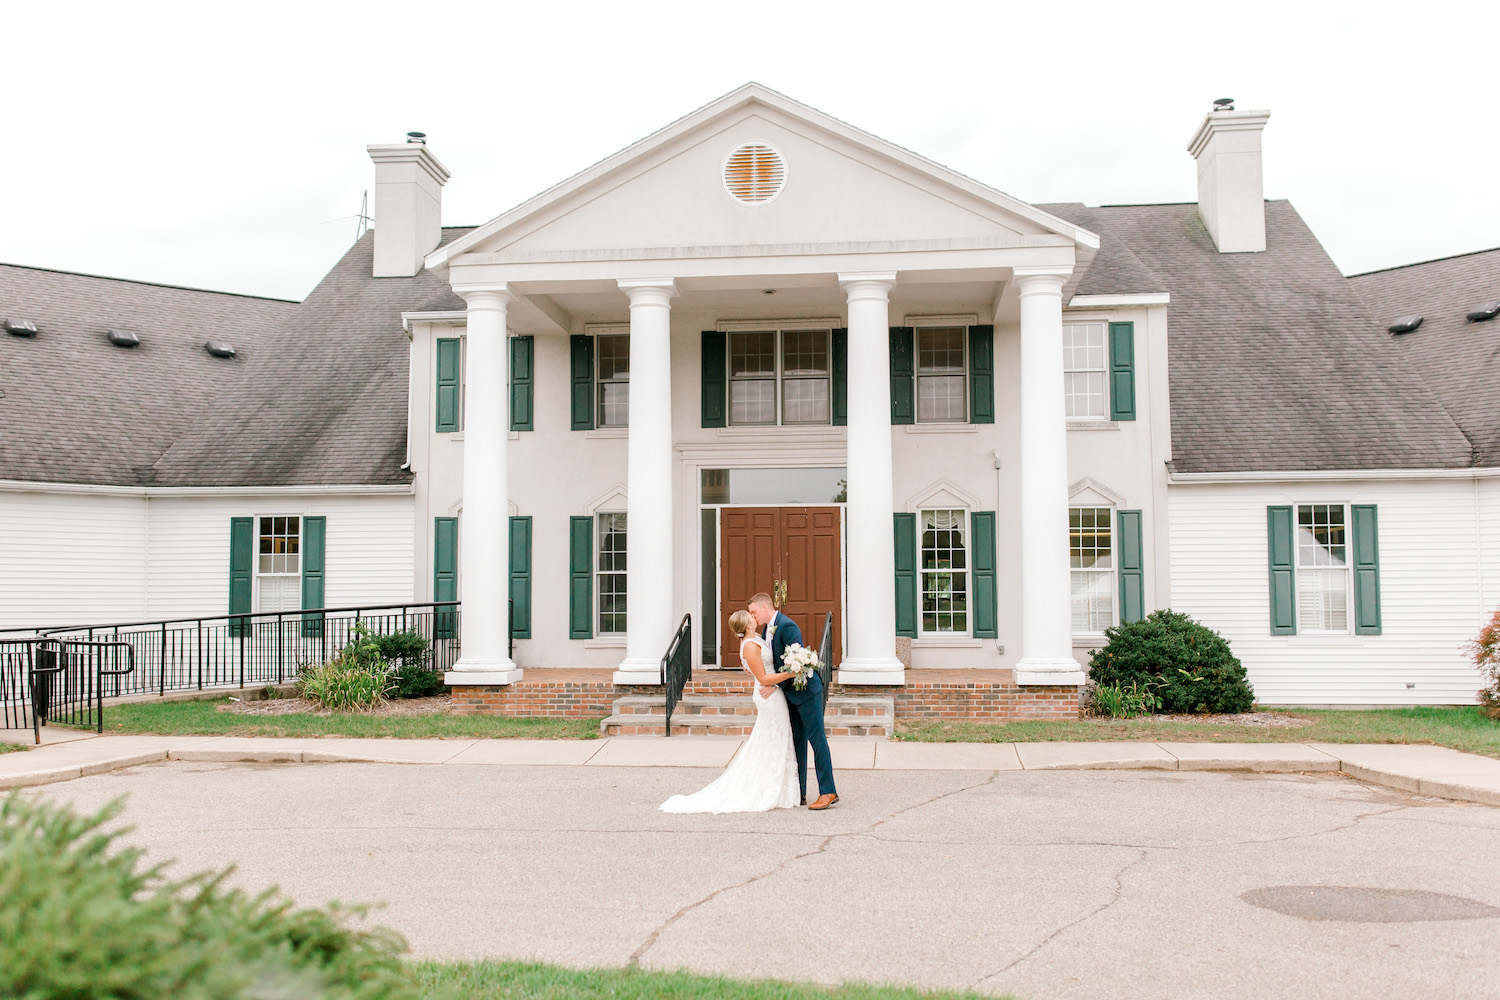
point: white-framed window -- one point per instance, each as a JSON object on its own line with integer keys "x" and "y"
{"x": 944, "y": 552}
{"x": 278, "y": 563}
{"x": 1091, "y": 558}
{"x": 1322, "y": 568}
{"x": 942, "y": 374}
{"x": 610, "y": 573}
{"x": 780, "y": 377}
{"x": 1086, "y": 371}
{"x": 612, "y": 378}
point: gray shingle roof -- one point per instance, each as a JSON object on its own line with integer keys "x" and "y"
{"x": 328, "y": 405}
{"x": 1271, "y": 360}
{"x": 76, "y": 409}
{"x": 1458, "y": 359}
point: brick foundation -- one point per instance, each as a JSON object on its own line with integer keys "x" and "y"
{"x": 972, "y": 695}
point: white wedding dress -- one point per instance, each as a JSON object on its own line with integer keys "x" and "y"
{"x": 763, "y": 775}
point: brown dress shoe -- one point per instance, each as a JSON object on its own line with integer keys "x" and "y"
{"x": 824, "y": 801}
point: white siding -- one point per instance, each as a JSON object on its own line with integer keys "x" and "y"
{"x": 1487, "y": 500}
{"x": 1430, "y": 565}
{"x": 67, "y": 559}
{"x": 369, "y": 553}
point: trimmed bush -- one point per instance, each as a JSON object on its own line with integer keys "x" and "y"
{"x": 411, "y": 681}
{"x": 1186, "y": 665}
{"x": 84, "y": 919}
{"x": 402, "y": 649}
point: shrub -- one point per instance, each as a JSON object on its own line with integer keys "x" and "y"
{"x": 83, "y": 919}
{"x": 1124, "y": 702}
{"x": 1485, "y": 650}
{"x": 402, "y": 649}
{"x": 412, "y": 681}
{"x": 358, "y": 678}
{"x": 1188, "y": 666}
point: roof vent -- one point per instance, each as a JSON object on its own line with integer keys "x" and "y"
{"x": 1406, "y": 324}
{"x": 754, "y": 173}
{"x": 20, "y": 327}
{"x": 418, "y": 137}
{"x": 124, "y": 338}
{"x": 1224, "y": 104}
{"x": 219, "y": 349}
{"x": 1480, "y": 313}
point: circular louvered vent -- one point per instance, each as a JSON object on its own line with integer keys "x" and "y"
{"x": 754, "y": 173}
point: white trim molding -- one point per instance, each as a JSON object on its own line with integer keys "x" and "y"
{"x": 25, "y": 486}
{"x": 452, "y": 317}
{"x": 1119, "y": 301}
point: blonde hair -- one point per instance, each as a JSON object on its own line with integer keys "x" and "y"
{"x": 761, "y": 598}
{"x": 740, "y": 623}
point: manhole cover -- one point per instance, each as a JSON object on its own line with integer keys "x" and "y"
{"x": 1362, "y": 905}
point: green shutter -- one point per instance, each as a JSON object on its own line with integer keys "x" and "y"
{"x": 1366, "y": 570}
{"x": 903, "y": 377}
{"x": 314, "y": 545}
{"x": 580, "y": 578}
{"x": 520, "y": 577}
{"x": 522, "y": 382}
{"x": 241, "y": 559}
{"x": 582, "y": 349}
{"x": 1132, "y": 567}
{"x": 444, "y": 573}
{"x": 986, "y": 595}
{"x": 448, "y": 374}
{"x": 906, "y": 575}
{"x": 715, "y": 379}
{"x": 1122, "y": 371}
{"x": 981, "y": 374}
{"x": 1282, "y": 553}
{"x": 839, "y": 366}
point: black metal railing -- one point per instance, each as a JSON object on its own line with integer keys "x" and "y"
{"x": 223, "y": 651}
{"x": 677, "y": 666}
{"x": 58, "y": 680}
{"x": 825, "y": 656}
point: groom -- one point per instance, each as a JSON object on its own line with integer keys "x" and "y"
{"x": 805, "y": 707}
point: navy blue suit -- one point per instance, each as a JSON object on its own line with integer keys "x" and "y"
{"x": 806, "y": 710}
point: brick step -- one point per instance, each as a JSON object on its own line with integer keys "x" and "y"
{"x": 838, "y": 706}
{"x": 707, "y": 725}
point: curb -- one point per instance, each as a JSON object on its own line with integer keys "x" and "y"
{"x": 1438, "y": 787}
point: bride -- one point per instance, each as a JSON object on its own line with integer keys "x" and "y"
{"x": 763, "y": 775}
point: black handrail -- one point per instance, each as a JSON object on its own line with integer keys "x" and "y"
{"x": 242, "y": 616}
{"x": 70, "y": 674}
{"x": 825, "y": 656}
{"x": 677, "y": 666}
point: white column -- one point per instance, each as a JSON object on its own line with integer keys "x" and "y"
{"x": 870, "y": 655}
{"x": 650, "y": 603}
{"x": 483, "y": 528}
{"x": 1046, "y": 615}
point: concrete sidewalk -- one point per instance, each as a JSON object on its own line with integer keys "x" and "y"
{"x": 1424, "y": 769}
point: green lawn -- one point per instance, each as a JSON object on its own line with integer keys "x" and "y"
{"x": 1464, "y": 728}
{"x": 11, "y": 747}
{"x": 184, "y": 718}
{"x": 534, "y": 981}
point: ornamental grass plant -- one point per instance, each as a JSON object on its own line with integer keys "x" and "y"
{"x": 86, "y": 919}
{"x": 1188, "y": 667}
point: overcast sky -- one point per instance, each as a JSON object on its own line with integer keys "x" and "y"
{"x": 210, "y": 145}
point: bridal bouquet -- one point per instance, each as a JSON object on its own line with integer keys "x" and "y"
{"x": 797, "y": 659}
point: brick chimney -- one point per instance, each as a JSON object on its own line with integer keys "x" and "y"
{"x": 1231, "y": 197}
{"x": 408, "y": 205}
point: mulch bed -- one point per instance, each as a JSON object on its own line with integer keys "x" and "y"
{"x": 437, "y": 705}
{"x": 1264, "y": 720}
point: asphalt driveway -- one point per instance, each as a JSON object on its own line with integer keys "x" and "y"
{"x": 1045, "y": 884}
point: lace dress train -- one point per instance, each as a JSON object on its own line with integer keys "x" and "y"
{"x": 763, "y": 775}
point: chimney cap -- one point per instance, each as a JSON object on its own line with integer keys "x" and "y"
{"x": 1224, "y": 104}
{"x": 419, "y": 137}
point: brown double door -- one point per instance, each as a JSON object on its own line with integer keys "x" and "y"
{"x": 761, "y": 545}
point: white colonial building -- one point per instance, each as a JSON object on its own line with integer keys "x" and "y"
{"x": 763, "y": 349}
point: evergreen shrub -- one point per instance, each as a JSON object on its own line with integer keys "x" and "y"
{"x": 1188, "y": 666}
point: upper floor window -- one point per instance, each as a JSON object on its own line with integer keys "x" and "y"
{"x": 1322, "y": 568}
{"x": 942, "y": 374}
{"x": 779, "y": 377}
{"x": 1086, "y": 371}
{"x": 612, "y": 354}
{"x": 1092, "y": 567}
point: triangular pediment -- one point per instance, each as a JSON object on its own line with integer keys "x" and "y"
{"x": 842, "y": 186}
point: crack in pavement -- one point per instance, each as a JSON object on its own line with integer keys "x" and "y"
{"x": 1119, "y": 890}
{"x": 651, "y": 939}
